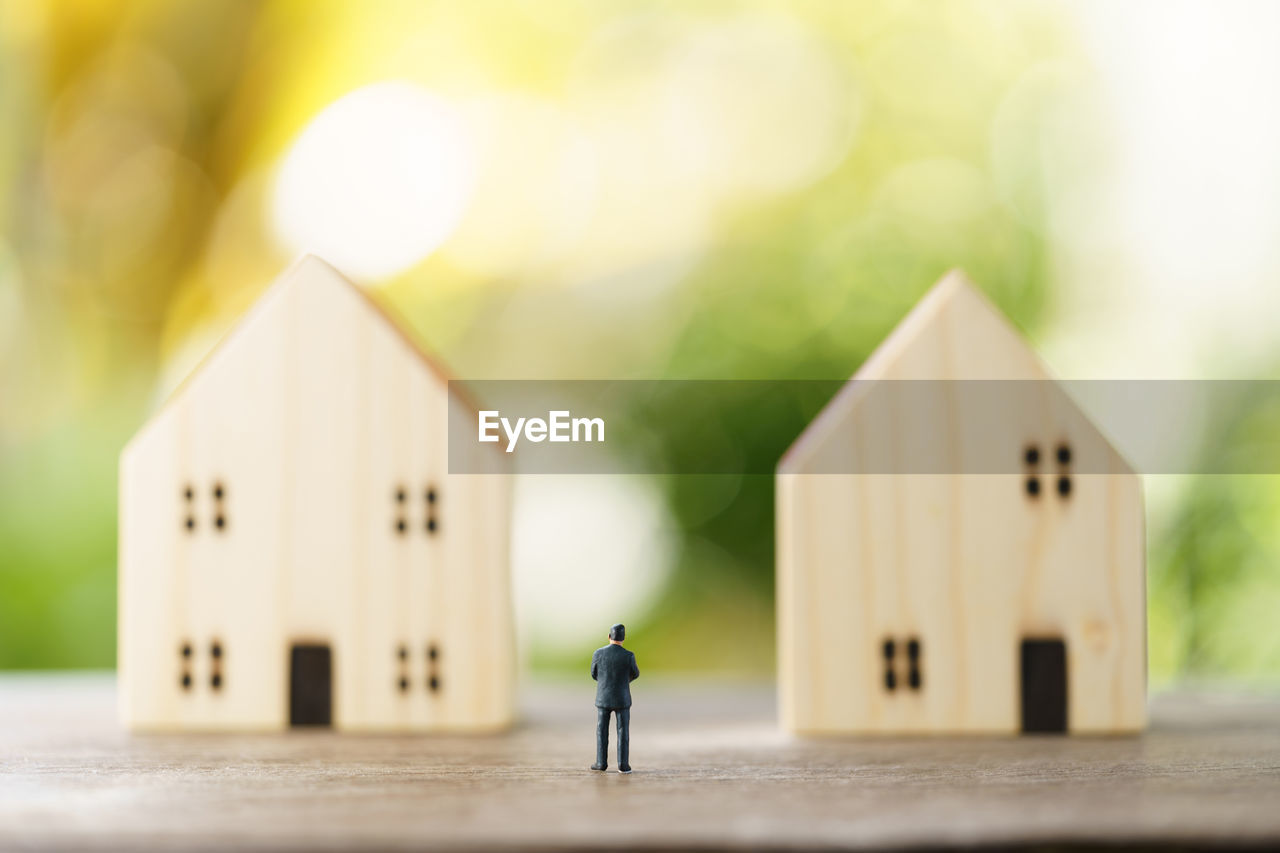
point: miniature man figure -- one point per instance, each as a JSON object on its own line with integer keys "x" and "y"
{"x": 613, "y": 668}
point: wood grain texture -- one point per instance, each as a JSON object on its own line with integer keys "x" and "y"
{"x": 325, "y": 429}
{"x": 967, "y": 565}
{"x": 712, "y": 772}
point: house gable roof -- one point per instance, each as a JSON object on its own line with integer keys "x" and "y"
{"x": 308, "y": 272}
{"x": 953, "y": 333}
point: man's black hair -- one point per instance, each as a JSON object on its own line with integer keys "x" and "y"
{"x": 618, "y": 632}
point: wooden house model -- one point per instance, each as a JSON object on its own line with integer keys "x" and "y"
{"x": 954, "y": 595}
{"x": 293, "y": 548}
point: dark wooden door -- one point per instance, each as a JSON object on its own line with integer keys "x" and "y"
{"x": 310, "y": 685}
{"x": 1044, "y": 685}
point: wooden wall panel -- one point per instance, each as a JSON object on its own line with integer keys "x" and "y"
{"x": 150, "y": 577}
{"x": 232, "y": 597}
{"x": 385, "y": 594}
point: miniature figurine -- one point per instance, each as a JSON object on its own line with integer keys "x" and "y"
{"x": 613, "y": 668}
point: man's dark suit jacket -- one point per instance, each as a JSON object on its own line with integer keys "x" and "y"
{"x": 613, "y": 668}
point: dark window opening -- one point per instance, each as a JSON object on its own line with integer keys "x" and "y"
{"x": 401, "y": 495}
{"x": 185, "y": 652}
{"x": 914, "y": 678}
{"x": 432, "y": 524}
{"x": 889, "y": 649}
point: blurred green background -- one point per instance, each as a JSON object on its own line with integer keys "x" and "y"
{"x": 634, "y": 190}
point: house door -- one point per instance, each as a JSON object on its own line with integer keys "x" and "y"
{"x": 310, "y": 685}
{"x": 1044, "y": 685}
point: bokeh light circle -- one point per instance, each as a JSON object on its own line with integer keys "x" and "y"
{"x": 586, "y": 551}
{"x": 536, "y": 187}
{"x": 757, "y": 105}
{"x": 376, "y": 181}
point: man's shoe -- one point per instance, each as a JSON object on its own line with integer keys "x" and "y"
{"x": 599, "y": 767}
{"x": 626, "y": 768}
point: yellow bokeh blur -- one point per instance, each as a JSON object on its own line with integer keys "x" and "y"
{"x": 619, "y": 189}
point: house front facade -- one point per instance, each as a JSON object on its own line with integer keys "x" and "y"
{"x": 996, "y": 587}
{"x": 293, "y": 548}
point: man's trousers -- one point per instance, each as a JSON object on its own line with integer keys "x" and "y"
{"x": 624, "y": 736}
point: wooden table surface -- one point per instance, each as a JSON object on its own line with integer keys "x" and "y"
{"x": 711, "y": 771}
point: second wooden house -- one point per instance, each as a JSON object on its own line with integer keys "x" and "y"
{"x": 959, "y": 548}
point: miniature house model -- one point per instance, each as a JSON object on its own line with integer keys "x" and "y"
{"x": 934, "y": 597}
{"x": 293, "y": 549}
